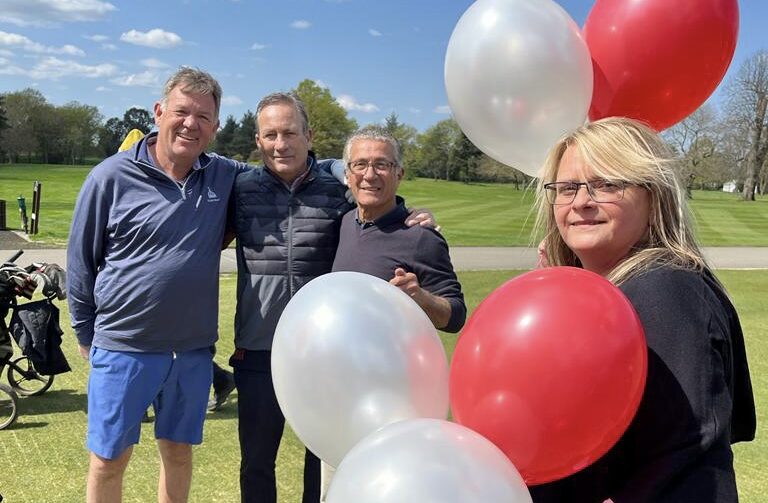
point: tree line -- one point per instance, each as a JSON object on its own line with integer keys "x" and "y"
{"x": 726, "y": 145}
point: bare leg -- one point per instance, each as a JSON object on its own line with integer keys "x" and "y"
{"x": 175, "y": 471}
{"x": 105, "y": 478}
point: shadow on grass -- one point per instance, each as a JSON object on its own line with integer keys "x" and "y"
{"x": 27, "y": 426}
{"x": 53, "y": 401}
{"x": 227, "y": 411}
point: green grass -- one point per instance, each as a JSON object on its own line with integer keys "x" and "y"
{"x": 470, "y": 215}
{"x": 43, "y": 457}
{"x": 60, "y": 185}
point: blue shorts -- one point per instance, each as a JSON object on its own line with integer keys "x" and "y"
{"x": 123, "y": 384}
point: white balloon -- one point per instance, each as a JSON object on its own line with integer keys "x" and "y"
{"x": 426, "y": 460}
{"x": 518, "y": 76}
{"x": 351, "y": 354}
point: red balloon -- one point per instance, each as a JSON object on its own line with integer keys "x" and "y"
{"x": 551, "y": 368}
{"x": 658, "y": 60}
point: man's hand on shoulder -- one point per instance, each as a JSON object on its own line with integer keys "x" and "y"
{"x": 422, "y": 217}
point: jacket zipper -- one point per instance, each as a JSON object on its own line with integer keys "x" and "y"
{"x": 181, "y": 187}
{"x": 289, "y": 240}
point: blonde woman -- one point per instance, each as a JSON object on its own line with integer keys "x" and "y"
{"x": 611, "y": 203}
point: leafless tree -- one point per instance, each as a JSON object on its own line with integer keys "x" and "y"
{"x": 747, "y": 110}
{"x": 696, "y": 139}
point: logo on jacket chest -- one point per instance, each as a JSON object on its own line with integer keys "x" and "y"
{"x": 212, "y": 197}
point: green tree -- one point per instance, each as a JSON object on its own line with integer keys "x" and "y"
{"x": 403, "y": 133}
{"x": 432, "y": 156}
{"x": 19, "y": 140}
{"x": 3, "y": 123}
{"x": 48, "y": 126}
{"x": 225, "y": 136}
{"x": 111, "y": 135}
{"x": 82, "y": 124}
{"x": 138, "y": 118}
{"x": 327, "y": 118}
{"x": 243, "y": 143}
{"x": 465, "y": 158}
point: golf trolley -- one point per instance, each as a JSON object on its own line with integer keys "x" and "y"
{"x": 34, "y": 326}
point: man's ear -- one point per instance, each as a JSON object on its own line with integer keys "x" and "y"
{"x": 310, "y": 136}
{"x": 158, "y": 110}
{"x": 256, "y": 138}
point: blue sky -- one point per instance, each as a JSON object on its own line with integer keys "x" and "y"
{"x": 375, "y": 56}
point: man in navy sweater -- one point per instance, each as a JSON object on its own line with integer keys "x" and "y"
{"x": 375, "y": 240}
{"x": 143, "y": 260}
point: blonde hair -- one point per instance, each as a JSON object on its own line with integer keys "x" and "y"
{"x": 623, "y": 149}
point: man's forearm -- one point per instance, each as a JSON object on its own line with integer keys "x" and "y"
{"x": 436, "y": 308}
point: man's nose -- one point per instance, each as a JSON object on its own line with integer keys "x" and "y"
{"x": 190, "y": 122}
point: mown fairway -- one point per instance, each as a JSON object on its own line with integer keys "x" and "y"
{"x": 44, "y": 460}
{"x": 470, "y": 214}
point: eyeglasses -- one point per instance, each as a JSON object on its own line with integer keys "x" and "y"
{"x": 600, "y": 191}
{"x": 380, "y": 166}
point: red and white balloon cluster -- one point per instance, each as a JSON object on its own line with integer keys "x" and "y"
{"x": 545, "y": 378}
{"x": 520, "y": 73}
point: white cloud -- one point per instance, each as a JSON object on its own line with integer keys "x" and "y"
{"x": 374, "y": 33}
{"x": 53, "y": 12}
{"x": 157, "y": 38}
{"x": 54, "y": 68}
{"x": 25, "y": 44}
{"x": 96, "y": 38}
{"x": 12, "y": 70}
{"x": 443, "y": 109}
{"x": 103, "y": 89}
{"x": 154, "y": 63}
{"x": 301, "y": 24}
{"x": 109, "y": 47}
{"x": 143, "y": 79}
{"x": 231, "y": 100}
{"x": 348, "y": 102}
{"x": 257, "y": 46}
{"x": 6, "y": 53}
{"x": 414, "y": 110}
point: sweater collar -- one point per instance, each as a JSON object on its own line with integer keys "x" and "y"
{"x": 141, "y": 153}
{"x": 395, "y": 215}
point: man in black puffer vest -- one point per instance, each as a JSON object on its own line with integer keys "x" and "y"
{"x": 286, "y": 216}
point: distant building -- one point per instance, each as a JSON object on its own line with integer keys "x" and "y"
{"x": 730, "y": 186}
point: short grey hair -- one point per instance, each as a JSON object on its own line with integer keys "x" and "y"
{"x": 193, "y": 80}
{"x": 281, "y": 98}
{"x": 373, "y": 133}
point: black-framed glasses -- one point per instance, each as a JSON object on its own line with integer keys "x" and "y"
{"x": 600, "y": 191}
{"x": 380, "y": 166}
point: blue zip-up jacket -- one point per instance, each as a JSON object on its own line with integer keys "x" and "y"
{"x": 143, "y": 253}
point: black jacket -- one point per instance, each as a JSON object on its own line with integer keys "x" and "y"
{"x": 697, "y": 401}
{"x": 285, "y": 238}
{"x": 35, "y": 327}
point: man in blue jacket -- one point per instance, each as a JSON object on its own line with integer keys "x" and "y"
{"x": 143, "y": 260}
